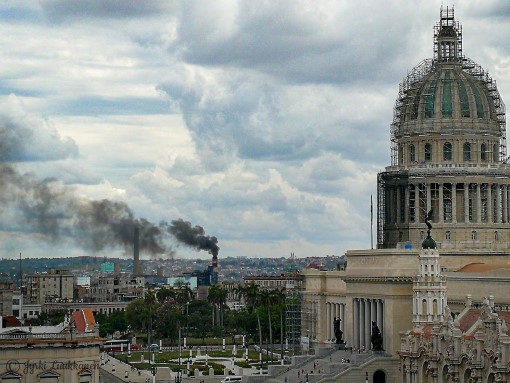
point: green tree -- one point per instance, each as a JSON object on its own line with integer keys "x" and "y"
{"x": 167, "y": 319}
{"x": 137, "y": 315}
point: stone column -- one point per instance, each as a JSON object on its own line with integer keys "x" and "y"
{"x": 429, "y": 197}
{"x": 454, "y": 202}
{"x": 466, "y": 202}
{"x": 478, "y": 203}
{"x": 406, "y": 207}
{"x": 328, "y": 321}
{"x": 356, "y": 323}
{"x": 498, "y": 204}
{"x": 489, "y": 203}
{"x": 417, "y": 203}
{"x": 342, "y": 317}
{"x": 367, "y": 324}
{"x": 399, "y": 205}
{"x": 504, "y": 204}
{"x": 441, "y": 204}
{"x": 380, "y": 315}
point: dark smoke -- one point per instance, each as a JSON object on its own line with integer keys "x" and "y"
{"x": 194, "y": 236}
{"x": 55, "y": 210}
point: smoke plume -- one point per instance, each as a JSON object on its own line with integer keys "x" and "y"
{"x": 194, "y": 236}
{"x": 56, "y": 212}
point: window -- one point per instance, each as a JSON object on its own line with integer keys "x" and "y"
{"x": 495, "y": 153}
{"x": 448, "y": 235}
{"x": 467, "y": 151}
{"x": 428, "y": 152}
{"x": 473, "y": 235}
{"x": 496, "y": 236}
{"x": 447, "y": 151}
{"x": 412, "y": 153}
{"x": 447, "y": 210}
{"x": 483, "y": 152}
{"x": 422, "y": 235}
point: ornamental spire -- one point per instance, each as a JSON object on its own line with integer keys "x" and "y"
{"x": 447, "y": 37}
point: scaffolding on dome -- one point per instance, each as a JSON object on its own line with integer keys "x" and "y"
{"x": 415, "y": 78}
{"x": 411, "y": 81}
{"x": 483, "y": 76}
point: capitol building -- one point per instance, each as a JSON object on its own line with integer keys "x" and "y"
{"x": 440, "y": 301}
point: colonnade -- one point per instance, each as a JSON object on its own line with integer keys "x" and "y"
{"x": 334, "y": 310}
{"x": 452, "y": 202}
{"x": 366, "y": 311}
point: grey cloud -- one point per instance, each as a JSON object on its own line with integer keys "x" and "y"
{"x": 29, "y": 138}
{"x": 300, "y": 42}
{"x": 61, "y": 10}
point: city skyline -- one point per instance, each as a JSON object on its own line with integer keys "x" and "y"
{"x": 257, "y": 122}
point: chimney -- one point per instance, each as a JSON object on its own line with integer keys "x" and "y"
{"x": 137, "y": 267}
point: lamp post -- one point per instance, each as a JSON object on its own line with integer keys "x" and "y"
{"x": 179, "y": 344}
{"x": 154, "y": 372}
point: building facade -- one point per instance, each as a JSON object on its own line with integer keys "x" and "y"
{"x": 448, "y": 140}
{"x": 57, "y": 284}
{"x": 448, "y": 145}
{"x": 50, "y": 354}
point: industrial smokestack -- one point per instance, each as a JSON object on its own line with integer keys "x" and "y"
{"x": 137, "y": 267}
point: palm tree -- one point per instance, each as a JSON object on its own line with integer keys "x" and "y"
{"x": 151, "y": 304}
{"x": 217, "y": 297}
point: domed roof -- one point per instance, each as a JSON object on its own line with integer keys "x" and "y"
{"x": 428, "y": 243}
{"x": 448, "y": 92}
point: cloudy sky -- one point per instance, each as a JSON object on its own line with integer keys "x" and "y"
{"x": 264, "y": 122}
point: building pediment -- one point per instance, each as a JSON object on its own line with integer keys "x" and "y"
{"x": 10, "y": 375}
{"x": 48, "y": 374}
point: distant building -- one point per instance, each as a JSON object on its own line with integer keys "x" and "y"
{"x": 57, "y": 284}
{"x": 112, "y": 288}
{"x": 105, "y": 308}
{"x": 22, "y": 309}
{"x": 191, "y": 281}
{"x": 107, "y": 267}
{"x": 6, "y": 300}
{"x": 83, "y": 281}
{"x": 272, "y": 282}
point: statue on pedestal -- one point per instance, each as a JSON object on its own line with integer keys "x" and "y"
{"x": 338, "y": 333}
{"x": 376, "y": 339}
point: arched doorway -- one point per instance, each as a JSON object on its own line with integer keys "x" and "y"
{"x": 379, "y": 377}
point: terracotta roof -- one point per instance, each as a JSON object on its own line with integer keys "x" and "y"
{"x": 479, "y": 267}
{"x": 468, "y": 319}
{"x": 83, "y": 320}
{"x": 10, "y": 321}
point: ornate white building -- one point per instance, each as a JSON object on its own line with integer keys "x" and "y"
{"x": 448, "y": 141}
